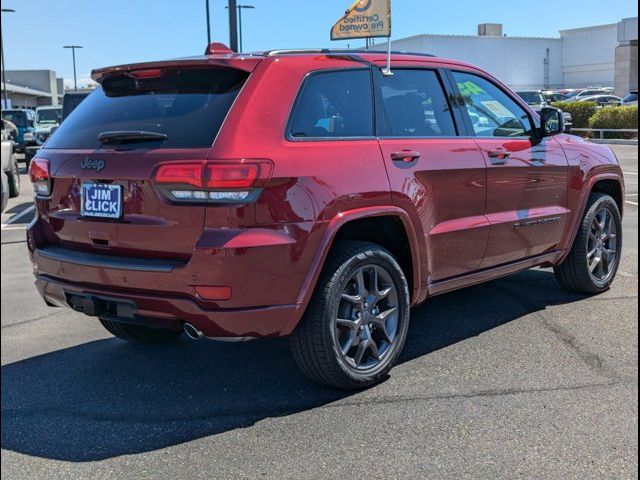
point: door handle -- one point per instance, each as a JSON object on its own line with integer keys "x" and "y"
{"x": 499, "y": 156}
{"x": 405, "y": 156}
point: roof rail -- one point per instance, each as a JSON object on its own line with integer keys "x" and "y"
{"x": 329, "y": 51}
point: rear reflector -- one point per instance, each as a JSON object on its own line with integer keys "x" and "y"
{"x": 40, "y": 176}
{"x": 214, "y": 293}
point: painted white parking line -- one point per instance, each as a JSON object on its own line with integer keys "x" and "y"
{"x": 630, "y": 173}
{"x": 632, "y": 203}
{"x": 17, "y": 217}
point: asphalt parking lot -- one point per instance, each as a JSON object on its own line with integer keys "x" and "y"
{"x": 511, "y": 379}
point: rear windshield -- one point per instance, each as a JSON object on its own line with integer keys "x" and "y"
{"x": 49, "y": 115}
{"x": 188, "y": 106}
{"x": 19, "y": 119}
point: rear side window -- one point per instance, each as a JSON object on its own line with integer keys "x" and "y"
{"x": 188, "y": 106}
{"x": 415, "y": 105}
{"x": 334, "y": 105}
{"x": 492, "y": 112}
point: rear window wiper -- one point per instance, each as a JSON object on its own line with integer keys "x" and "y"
{"x": 131, "y": 136}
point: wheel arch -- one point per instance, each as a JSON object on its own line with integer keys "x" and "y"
{"x": 612, "y": 187}
{"x": 356, "y": 225}
{"x": 610, "y": 183}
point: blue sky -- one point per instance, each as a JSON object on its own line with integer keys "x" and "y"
{"x": 121, "y": 31}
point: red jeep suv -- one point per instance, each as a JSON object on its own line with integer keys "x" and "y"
{"x": 308, "y": 194}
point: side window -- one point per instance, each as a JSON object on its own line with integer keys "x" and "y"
{"x": 333, "y": 105}
{"x": 415, "y": 105}
{"x": 493, "y": 113}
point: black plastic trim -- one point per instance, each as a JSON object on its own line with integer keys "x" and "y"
{"x": 108, "y": 261}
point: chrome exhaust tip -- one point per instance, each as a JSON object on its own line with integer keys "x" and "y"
{"x": 192, "y": 332}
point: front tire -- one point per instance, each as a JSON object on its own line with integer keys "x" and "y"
{"x": 139, "y": 334}
{"x": 356, "y": 324}
{"x": 593, "y": 262}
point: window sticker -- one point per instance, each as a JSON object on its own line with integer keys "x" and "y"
{"x": 497, "y": 108}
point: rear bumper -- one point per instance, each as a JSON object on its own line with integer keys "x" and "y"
{"x": 266, "y": 270}
{"x": 166, "y": 312}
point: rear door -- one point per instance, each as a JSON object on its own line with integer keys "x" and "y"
{"x": 436, "y": 175}
{"x": 103, "y": 193}
{"x": 526, "y": 177}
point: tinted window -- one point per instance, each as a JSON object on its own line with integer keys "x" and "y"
{"x": 555, "y": 97}
{"x": 415, "y": 105}
{"x": 334, "y": 104}
{"x": 493, "y": 113}
{"x": 532, "y": 98}
{"x": 188, "y": 106}
{"x": 18, "y": 118}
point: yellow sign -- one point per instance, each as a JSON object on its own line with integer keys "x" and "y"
{"x": 364, "y": 19}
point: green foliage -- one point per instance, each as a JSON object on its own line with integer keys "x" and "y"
{"x": 616, "y": 117}
{"x": 580, "y": 111}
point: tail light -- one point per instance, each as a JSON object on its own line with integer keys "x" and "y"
{"x": 213, "y": 181}
{"x": 40, "y": 176}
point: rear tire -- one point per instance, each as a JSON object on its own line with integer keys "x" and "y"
{"x": 139, "y": 334}
{"x": 14, "y": 178}
{"x": 356, "y": 324}
{"x": 590, "y": 267}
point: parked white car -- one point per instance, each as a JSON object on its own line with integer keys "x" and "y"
{"x": 47, "y": 119}
{"x": 603, "y": 100}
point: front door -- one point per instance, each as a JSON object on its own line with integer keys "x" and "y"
{"x": 436, "y": 176}
{"x": 526, "y": 177}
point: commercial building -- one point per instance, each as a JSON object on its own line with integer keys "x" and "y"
{"x": 604, "y": 55}
{"x": 32, "y": 88}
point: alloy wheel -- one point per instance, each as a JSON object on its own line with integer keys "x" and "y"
{"x": 602, "y": 246}
{"x": 367, "y": 321}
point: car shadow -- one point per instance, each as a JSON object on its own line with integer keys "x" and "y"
{"x": 19, "y": 208}
{"x": 107, "y": 398}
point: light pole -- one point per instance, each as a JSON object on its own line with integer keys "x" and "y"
{"x": 4, "y": 73}
{"x": 233, "y": 25}
{"x": 240, "y": 8}
{"x": 208, "y": 25}
{"x": 73, "y": 53}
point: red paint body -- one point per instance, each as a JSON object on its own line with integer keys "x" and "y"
{"x": 467, "y": 219}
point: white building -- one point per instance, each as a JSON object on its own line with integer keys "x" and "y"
{"x": 605, "y": 55}
{"x": 32, "y": 88}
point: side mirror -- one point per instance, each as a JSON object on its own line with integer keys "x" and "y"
{"x": 551, "y": 122}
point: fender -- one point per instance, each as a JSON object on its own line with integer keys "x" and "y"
{"x": 586, "y": 189}
{"x": 332, "y": 229}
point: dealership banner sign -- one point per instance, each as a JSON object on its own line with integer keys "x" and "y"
{"x": 364, "y": 19}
